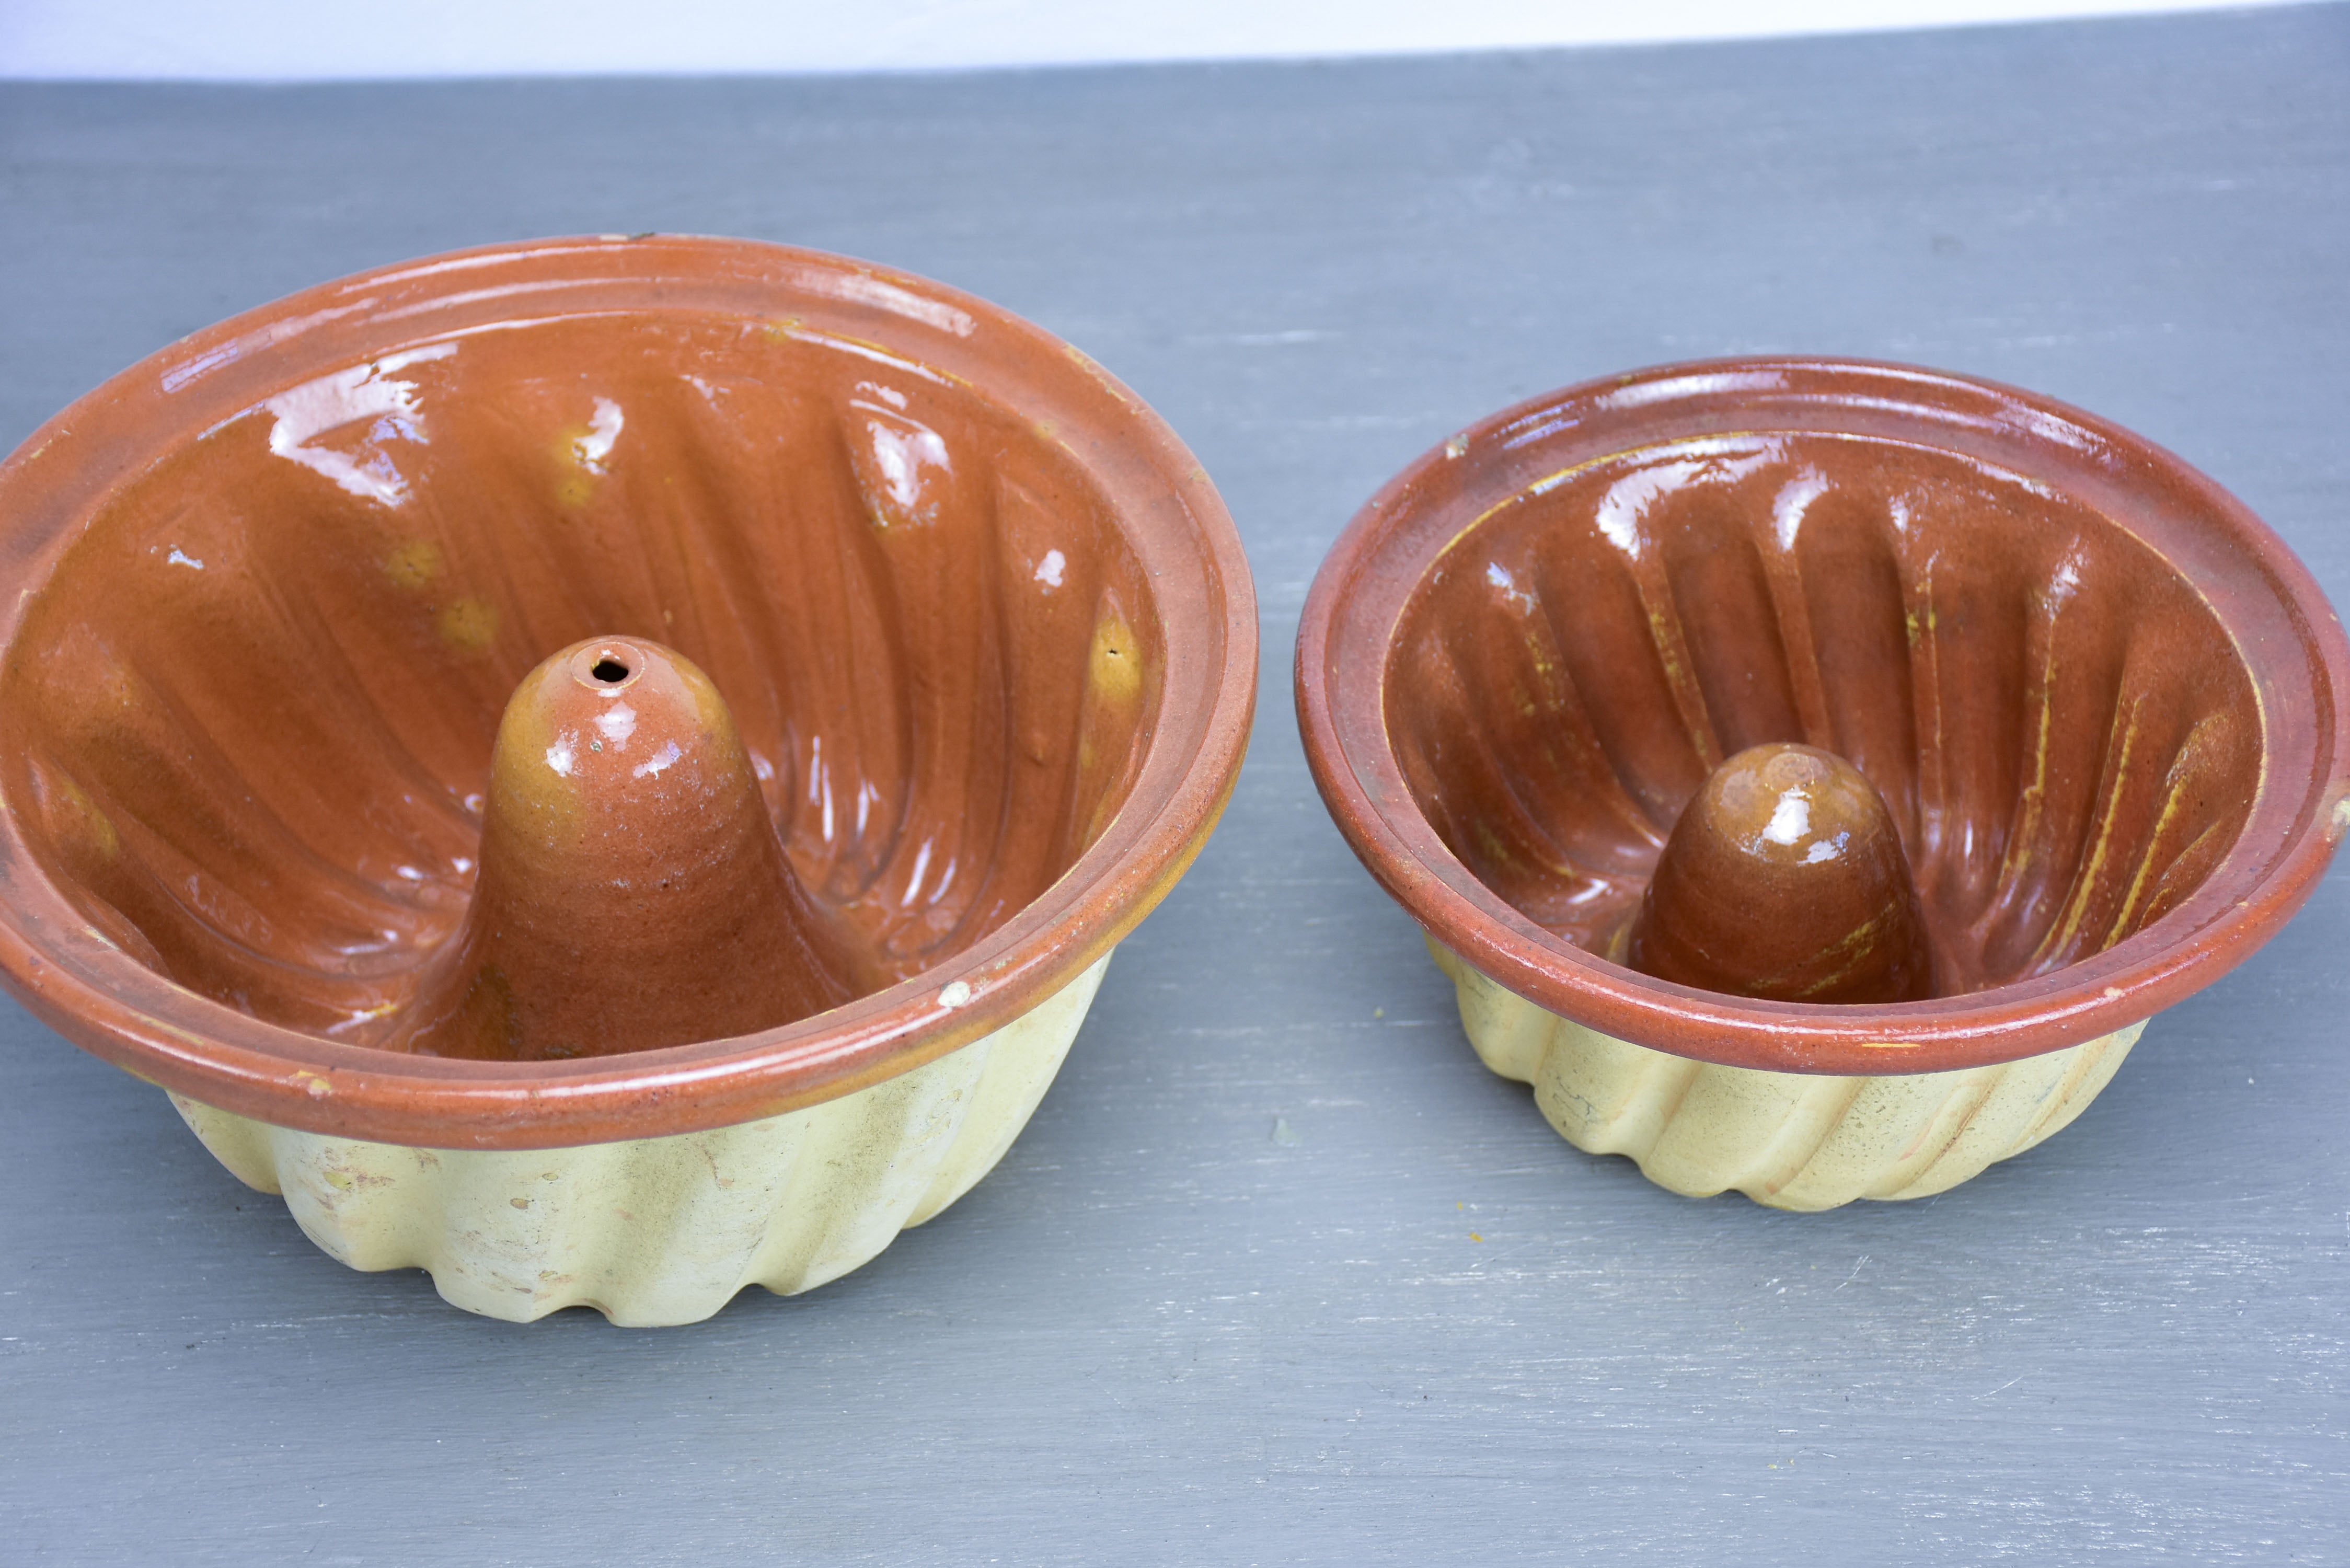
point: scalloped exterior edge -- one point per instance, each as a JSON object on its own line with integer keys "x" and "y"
{"x": 665, "y": 1230}
{"x": 1790, "y": 1140}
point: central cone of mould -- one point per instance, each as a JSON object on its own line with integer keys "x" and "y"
{"x": 633, "y": 892}
{"x": 1784, "y": 880}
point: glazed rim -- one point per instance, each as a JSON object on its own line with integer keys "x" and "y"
{"x": 2280, "y": 624}
{"x": 1165, "y": 509}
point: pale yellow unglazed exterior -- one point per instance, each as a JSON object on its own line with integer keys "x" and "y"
{"x": 1792, "y": 1140}
{"x": 666, "y": 1230}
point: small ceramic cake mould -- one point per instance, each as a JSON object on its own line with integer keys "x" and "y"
{"x": 1813, "y": 774}
{"x": 609, "y": 770}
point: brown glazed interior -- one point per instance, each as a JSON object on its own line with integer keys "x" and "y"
{"x": 630, "y": 890}
{"x": 1784, "y": 879}
{"x": 983, "y": 627}
{"x": 2101, "y": 701}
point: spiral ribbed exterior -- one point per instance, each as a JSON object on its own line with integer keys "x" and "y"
{"x": 665, "y": 1230}
{"x": 1790, "y": 1140}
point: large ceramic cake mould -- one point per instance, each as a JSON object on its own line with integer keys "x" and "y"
{"x": 934, "y": 634}
{"x": 2102, "y": 705}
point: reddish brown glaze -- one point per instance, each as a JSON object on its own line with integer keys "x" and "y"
{"x": 2067, "y": 740}
{"x": 1784, "y": 879}
{"x": 2101, "y": 701}
{"x": 983, "y": 627}
{"x": 632, "y": 892}
{"x": 275, "y": 660}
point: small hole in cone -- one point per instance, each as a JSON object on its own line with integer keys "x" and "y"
{"x": 609, "y": 670}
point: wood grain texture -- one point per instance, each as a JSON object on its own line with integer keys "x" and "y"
{"x": 1279, "y": 1274}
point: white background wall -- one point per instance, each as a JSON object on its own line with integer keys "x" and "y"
{"x": 295, "y": 39}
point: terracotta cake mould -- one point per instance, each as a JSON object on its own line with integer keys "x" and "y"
{"x": 608, "y": 769}
{"x": 2090, "y": 709}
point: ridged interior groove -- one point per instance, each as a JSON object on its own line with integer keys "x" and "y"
{"x": 2066, "y": 737}
{"x": 252, "y": 711}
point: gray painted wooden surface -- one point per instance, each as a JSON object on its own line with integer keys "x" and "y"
{"x": 1159, "y": 1333}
